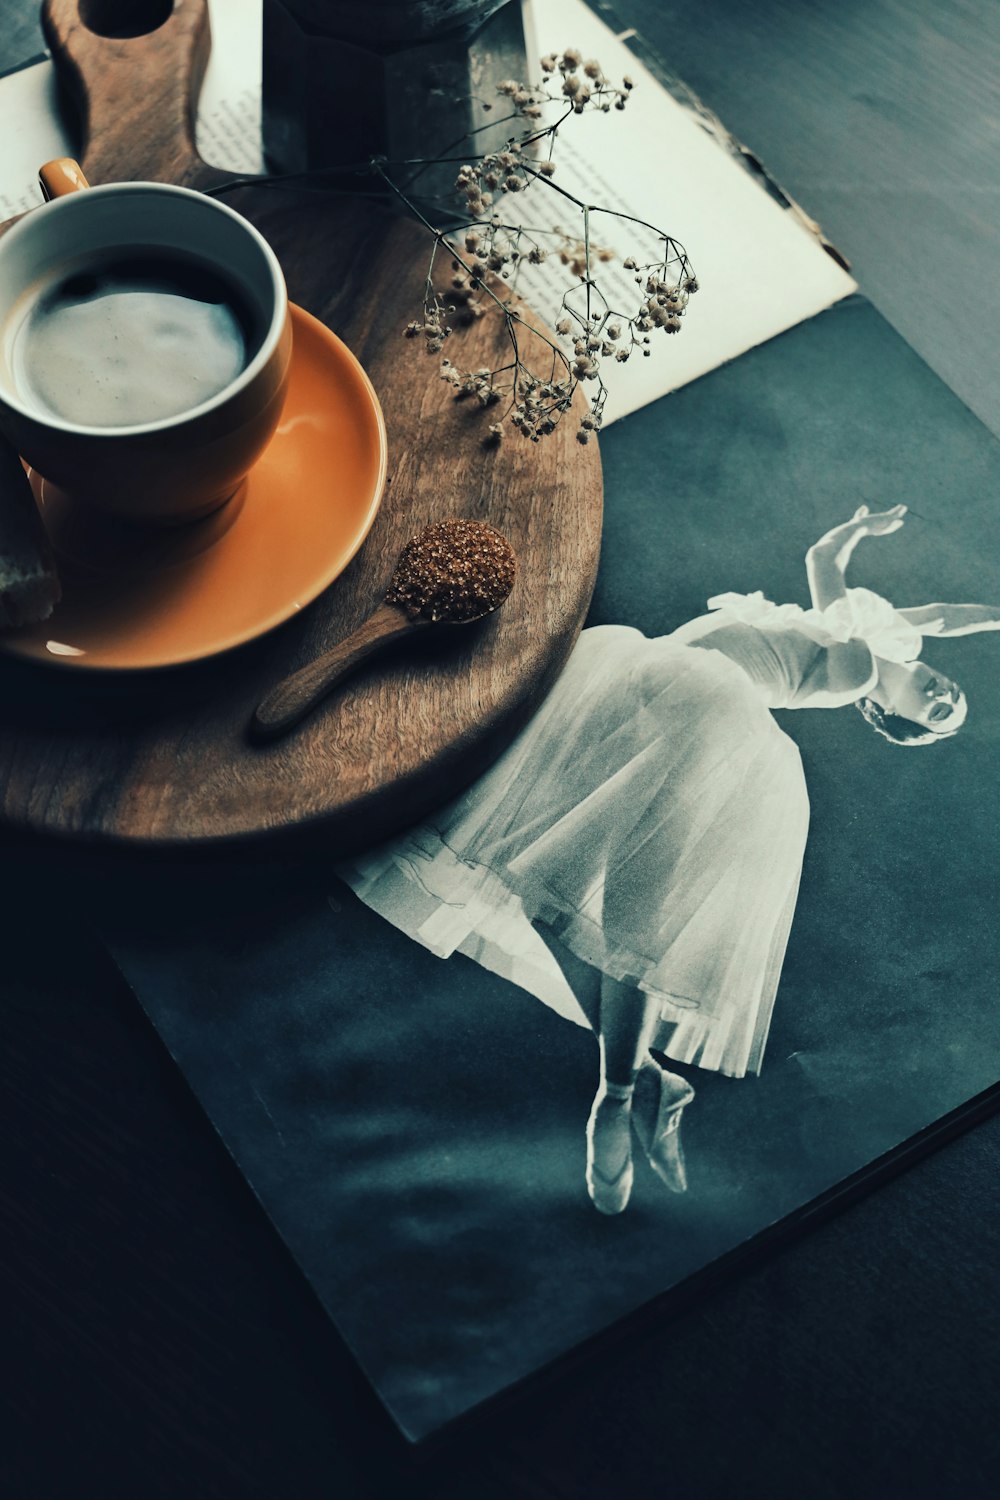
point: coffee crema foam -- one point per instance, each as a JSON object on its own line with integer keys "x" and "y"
{"x": 124, "y": 342}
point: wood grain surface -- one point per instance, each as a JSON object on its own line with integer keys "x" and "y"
{"x": 165, "y": 760}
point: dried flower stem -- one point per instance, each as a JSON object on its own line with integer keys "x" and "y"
{"x": 493, "y": 250}
{"x": 497, "y": 249}
{"x": 482, "y": 383}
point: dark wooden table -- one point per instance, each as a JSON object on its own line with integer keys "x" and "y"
{"x": 157, "y": 1340}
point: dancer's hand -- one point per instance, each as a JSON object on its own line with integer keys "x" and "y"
{"x": 864, "y": 522}
{"x": 877, "y": 523}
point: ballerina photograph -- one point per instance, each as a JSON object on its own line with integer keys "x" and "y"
{"x": 685, "y": 971}
{"x": 633, "y": 860}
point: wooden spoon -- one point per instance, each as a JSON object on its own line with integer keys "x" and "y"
{"x": 452, "y": 573}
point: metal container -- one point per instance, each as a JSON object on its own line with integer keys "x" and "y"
{"x": 346, "y": 80}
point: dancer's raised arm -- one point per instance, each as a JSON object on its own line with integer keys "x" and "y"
{"x": 827, "y": 559}
{"x": 953, "y": 619}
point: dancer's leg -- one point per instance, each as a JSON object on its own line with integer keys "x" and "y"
{"x": 624, "y": 1019}
{"x": 627, "y": 1019}
{"x": 627, "y": 1022}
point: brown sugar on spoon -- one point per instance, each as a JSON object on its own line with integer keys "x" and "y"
{"x": 452, "y": 573}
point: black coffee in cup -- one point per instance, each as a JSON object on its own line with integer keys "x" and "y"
{"x": 130, "y": 340}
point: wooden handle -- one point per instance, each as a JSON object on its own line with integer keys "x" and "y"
{"x": 295, "y": 696}
{"x": 134, "y": 69}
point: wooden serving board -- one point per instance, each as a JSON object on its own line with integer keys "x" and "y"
{"x": 163, "y": 760}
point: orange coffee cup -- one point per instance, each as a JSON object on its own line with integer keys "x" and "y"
{"x": 178, "y": 467}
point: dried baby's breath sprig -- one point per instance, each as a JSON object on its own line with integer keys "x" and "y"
{"x": 490, "y": 245}
{"x": 485, "y": 245}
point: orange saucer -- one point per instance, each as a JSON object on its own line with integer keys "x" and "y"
{"x": 137, "y": 599}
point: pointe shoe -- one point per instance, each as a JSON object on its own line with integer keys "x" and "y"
{"x": 660, "y": 1101}
{"x": 609, "y": 1193}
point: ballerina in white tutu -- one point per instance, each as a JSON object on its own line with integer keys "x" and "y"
{"x": 633, "y": 858}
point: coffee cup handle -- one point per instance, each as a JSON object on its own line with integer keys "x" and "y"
{"x": 61, "y": 176}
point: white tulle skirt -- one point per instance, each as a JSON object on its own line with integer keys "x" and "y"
{"x": 654, "y": 816}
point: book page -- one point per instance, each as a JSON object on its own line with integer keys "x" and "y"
{"x": 759, "y": 269}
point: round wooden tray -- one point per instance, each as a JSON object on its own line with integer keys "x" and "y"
{"x": 163, "y": 759}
